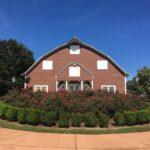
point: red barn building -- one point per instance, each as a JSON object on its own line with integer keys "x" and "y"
{"x": 76, "y": 66}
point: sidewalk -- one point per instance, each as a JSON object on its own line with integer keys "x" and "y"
{"x": 23, "y": 140}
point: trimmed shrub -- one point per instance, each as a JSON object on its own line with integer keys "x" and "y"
{"x": 63, "y": 121}
{"x": 90, "y": 120}
{"x": 33, "y": 116}
{"x": 142, "y": 116}
{"x": 22, "y": 116}
{"x": 130, "y": 118}
{"x": 48, "y": 118}
{"x": 11, "y": 113}
{"x": 3, "y": 110}
{"x": 76, "y": 119}
{"x": 119, "y": 119}
{"x": 103, "y": 120}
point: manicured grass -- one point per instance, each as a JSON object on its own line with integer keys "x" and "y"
{"x": 17, "y": 126}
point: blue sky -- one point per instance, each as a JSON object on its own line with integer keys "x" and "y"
{"x": 119, "y": 28}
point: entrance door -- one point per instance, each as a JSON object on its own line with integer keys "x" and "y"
{"x": 74, "y": 86}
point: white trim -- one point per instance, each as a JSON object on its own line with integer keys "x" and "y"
{"x": 56, "y": 85}
{"x": 108, "y": 57}
{"x": 40, "y": 58}
{"x": 72, "y": 64}
{"x": 81, "y": 85}
{"x": 92, "y": 84}
{"x": 40, "y": 87}
{"x": 108, "y": 87}
{"x": 125, "y": 85}
{"x": 66, "y": 85}
{"x": 82, "y": 43}
{"x": 25, "y": 84}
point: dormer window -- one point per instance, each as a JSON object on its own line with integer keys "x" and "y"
{"x": 74, "y": 49}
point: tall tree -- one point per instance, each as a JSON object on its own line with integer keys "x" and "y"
{"x": 15, "y": 58}
{"x": 140, "y": 84}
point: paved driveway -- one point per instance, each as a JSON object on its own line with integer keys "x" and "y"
{"x": 22, "y": 140}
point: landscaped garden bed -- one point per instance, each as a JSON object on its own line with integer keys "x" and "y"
{"x": 79, "y": 109}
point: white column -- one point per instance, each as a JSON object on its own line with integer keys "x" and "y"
{"x": 81, "y": 85}
{"x": 92, "y": 84}
{"x": 125, "y": 85}
{"x": 56, "y": 85}
{"x": 66, "y": 85}
{"x": 25, "y": 84}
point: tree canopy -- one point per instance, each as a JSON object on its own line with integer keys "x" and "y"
{"x": 15, "y": 59}
{"x": 140, "y": 84}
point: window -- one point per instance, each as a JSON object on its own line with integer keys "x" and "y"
{"x": 74, "y": 71}
{"x": 102, "y": 64}
{"x": 74, "y": 49}
{"x": 47, "y": 65}
{"x": 109, "y": 88}
{"x": 43, "y": 88}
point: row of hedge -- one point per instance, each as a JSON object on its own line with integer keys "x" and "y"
{"x": 80, "y": 101}
{"x": 132, "y": 118}
{"x": 63, "y": 119}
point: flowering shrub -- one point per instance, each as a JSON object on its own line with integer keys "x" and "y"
{"x": 82, "y": 101}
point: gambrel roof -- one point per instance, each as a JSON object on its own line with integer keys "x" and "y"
{"x": 75, "y": 40}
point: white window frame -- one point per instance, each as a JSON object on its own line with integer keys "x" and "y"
{"x": 40, "y": 87}
{"x": 74, "y": 52}
{"x": 108, "y": 86}
{"x": 50, "y": 67}
{"x": 101, "y": 64}
{"x": 74, "y": 75}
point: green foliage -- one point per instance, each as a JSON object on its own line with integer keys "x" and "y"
{"x": 143, "y": 116}
{"x": 11, "y": 113}
{"x": 119, "y": 119}
{"x": 15, "y": 59}
{"x": 22, "y": 116}
{"x": 48, "y": 118}
{"x": 130, "y": 118}
{"x": 141, "y": 83}
{"x": 107, "y": 103}
{"x": 3, "y": 110}
{"x": 76, "y": 119}
{"x": 63, "y": 121}
{"x": 103, "y": 120}
{"x": 47, "y": 104}
{"x": 90, "y": 120}
{"x": 33, "y": 116}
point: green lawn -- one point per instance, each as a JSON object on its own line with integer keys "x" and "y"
{"x": 16, "y": 126}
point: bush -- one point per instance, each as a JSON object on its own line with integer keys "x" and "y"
{"x": 81, "y": 101}
{"x": 119, "y": 119}
{"x": 90, "y": 120}
{"x": 103, "y": 120}
{"x": 48, "y": 118}
{"x": 130, "y": 118}
{"x": 22, "y": 116}
{"x": 33, "y": 116}
{"x": 11, "y": 113}
{"x": 142, "y": 116}
{"x": 76, "y": 119}
{"x": 3, "y": 110}
{"x": 63, "y": 120}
